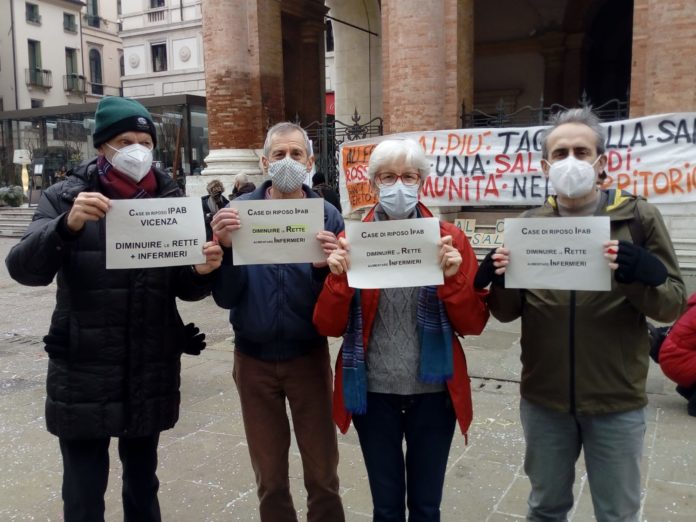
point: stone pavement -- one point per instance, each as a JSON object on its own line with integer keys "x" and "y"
{"x": 204, "y": 465}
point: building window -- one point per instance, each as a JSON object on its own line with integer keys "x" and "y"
{"x": 73, "y": 81}
{"x": 69, "y": 23}
{"x": 36, "y": 103}
{"x": 119, "y": 9}
{"x": 2, "y": 105}
{"x": 35, "y": 75}
{"x": 92, "y": 13}
{"x": 154, "y": 4}
{"x": 71, "y": 61}
{"x": 122, "y": 63}
{"x": 329, "y": 37}
{"x": 34, "y": 55}
{"x": 95, "y": 72}
{"x": 159, "y": 57}
{"x": 33, "y": 15}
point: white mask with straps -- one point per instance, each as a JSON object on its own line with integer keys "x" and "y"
{"x": 572, "y": 178}
{"x": 133, "y": 160}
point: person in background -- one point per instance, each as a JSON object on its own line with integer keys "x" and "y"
{"x": 280, "y": 359}
{"x": 245, "y": 188}
{"x": 411, "y": 382}
{"x": 213, "y": 202}
{"x": 322, "y": 188}
{"x": 239, "y": 180}
{"x": 677, "y": 355}
{"x": 116, "y": 337}
{"x": 584, "y": 353}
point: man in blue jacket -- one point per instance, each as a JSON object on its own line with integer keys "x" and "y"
{"x": 278, "y": 353}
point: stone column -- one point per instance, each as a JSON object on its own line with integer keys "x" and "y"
{"x": 427, "y": 57}
{"x": 244, "y": 78}
{"x": 663, "y": 71}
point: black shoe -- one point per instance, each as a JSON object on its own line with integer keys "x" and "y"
{"x": 691, "y": 408}
{"x": 685, "y": 392}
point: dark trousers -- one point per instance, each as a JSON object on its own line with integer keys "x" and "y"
{"x": 86, "y": 473}
{"x": 306, "y": 384}
{"x": 427, "y": 422}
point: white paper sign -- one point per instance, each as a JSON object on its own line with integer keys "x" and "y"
{"x": 142, "y": 233}
{"x": 394, "y": 254}
{"x": 557, "y": 253}
{"x": 277, "y": 231}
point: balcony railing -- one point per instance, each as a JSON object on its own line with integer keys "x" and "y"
{"x": 34, "y": 18}
{"x": 74, "y": 83}
{"x": 157, "y": 15}
{"x": 38, "y": 77}
{"x": 92, "y": 20}
{"x": 71, "y": 27}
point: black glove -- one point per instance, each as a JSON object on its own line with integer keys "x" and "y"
{"x": 486, "y": 275}
{"x": 194, "y": 339}
{"x": 638, "y": 264}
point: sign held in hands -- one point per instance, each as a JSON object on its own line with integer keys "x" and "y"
{"x": 394, "y": 253}
{"x": 278, "y": 231}
{"x": 146, "y": 233}
{"x": 557, "y": 253}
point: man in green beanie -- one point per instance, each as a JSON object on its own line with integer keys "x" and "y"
{"x": 116, "y": 337}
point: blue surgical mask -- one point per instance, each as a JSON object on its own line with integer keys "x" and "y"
{"x": 398, "y": 200}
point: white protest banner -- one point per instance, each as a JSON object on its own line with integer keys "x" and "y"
{"x": 276, "y": 231}
{"x": 653, "y": 157}
{"x": 394, "y": 253}
{"x": 142, "y": 233}
{"x": 557, "y": 253}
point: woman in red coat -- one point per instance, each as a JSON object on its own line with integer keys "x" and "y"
{"x": 678, "y": 355}
{"x": 402, "y": 373}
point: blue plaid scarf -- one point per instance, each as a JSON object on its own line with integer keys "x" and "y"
{"x": 435, "y": 337}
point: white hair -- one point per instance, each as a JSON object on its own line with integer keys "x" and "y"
{"x": 390, "y": 151}
{"x": 240, "y": 179}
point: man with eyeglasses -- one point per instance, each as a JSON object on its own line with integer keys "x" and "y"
{"x": 585, "y": 354}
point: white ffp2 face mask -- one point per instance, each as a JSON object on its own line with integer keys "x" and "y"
{"x": 133, "y": 160}
{"x": 398, "y": 200}
{"x": 287, "y": 174}
{"x": 572, "y": 178}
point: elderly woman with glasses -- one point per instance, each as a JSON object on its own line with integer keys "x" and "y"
{"x": 403, "y": 384}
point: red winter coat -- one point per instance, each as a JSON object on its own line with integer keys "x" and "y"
{"x": 466, "y": 310}
{"x": 678, "y": 350}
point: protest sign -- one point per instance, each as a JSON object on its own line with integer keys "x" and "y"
{"x": 653, "y": 157}
{"x": 394, "y": 253}
{"x": 154, "y": 232}
{"x": 557, "y": 253}
{"x": 278, "y": 231}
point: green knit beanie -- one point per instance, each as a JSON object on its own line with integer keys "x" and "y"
{"x": 116, "y": 115}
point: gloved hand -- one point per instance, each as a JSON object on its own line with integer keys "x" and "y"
{"x": 194, "y": 339}
{"x": 486, "y": 275}
{"x": 638, "y": 264}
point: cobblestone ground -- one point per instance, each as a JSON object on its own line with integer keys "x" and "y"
{"x": 204, "y": 466}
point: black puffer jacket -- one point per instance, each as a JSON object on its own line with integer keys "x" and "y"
{"x": 116, "y": 337}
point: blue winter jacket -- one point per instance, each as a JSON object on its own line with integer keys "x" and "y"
{"x": 271, "y": 306}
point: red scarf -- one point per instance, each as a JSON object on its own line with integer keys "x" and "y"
{"x": 116, "y": 185}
